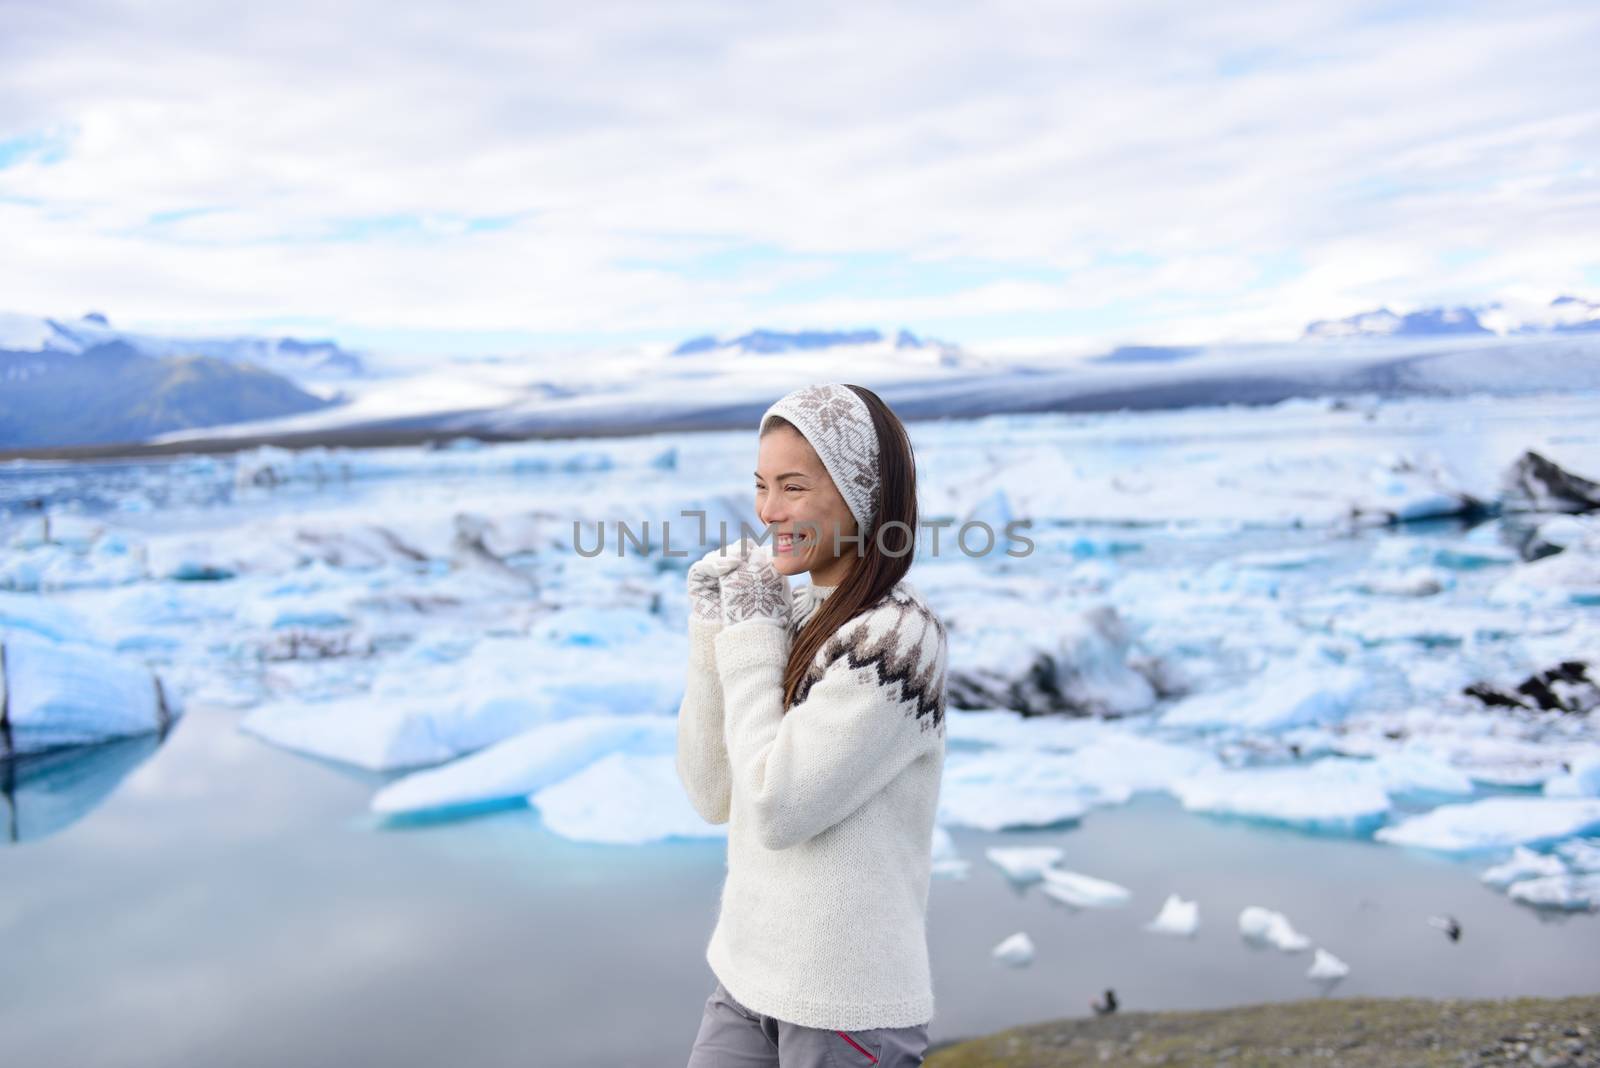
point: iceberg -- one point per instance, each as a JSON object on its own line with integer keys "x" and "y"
{"x": 1581, "y": 854}
{"x": 1304, "y": 691}
{"x": 422, "y": 712}
{"x": 1327, "y": 967}
{"x": 1016, "y": 950}
{"x": 1002, "y": 727}
{"x": 1571, "y": 892}
{"x": 1024, "y": 864}
{"x": 1266, "y": 927}
{"x": 1495, "y": 823}
{"x": 1018, "y": 655}
{"x": 60, "y": 692}
{"x": 526, "y": 763}
{"x": 1177, "y": 917}
{"x": 1083, "y": 891}
{"x": 623, "y": 799}
{"x": 1014, "y": 786}
{"x": 1524, "y": 864}
{"x": 1582, "y": 781}
{"x": 1333, "y": 795}
{"x": 1004, "y": 788}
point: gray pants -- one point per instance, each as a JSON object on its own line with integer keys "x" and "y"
{"x": 733, "y": 1036}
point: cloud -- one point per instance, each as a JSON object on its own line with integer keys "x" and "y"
{"x": 566, "y": 170}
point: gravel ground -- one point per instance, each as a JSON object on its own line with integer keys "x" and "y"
{"x": 1355, "y": 1032}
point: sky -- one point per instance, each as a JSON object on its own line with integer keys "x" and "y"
{"x": 532, "y": 177}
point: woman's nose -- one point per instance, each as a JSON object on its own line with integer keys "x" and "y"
{"x": 770, "y": 511}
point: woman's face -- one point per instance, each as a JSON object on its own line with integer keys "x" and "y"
{"x": 795, "y": 495}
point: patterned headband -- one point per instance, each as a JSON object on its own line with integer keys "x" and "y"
{"x": 835, "y": 420}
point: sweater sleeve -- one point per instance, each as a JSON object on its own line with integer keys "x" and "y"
{"x": 858, "y": 726}
{"x": 702, "y": 749}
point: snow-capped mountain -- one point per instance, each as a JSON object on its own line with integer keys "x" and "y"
{"x": 720, "y": 382}
{"x": 926, "y": 351}
{"x": 1565, "y": 314}
{"x": 1429, "y": 322}
{"x": 85, "y": 383}
{"x": 304, "y": 361}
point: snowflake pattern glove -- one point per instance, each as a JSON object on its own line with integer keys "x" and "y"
{"x": 756, "y": 590}
{"x": 705, "y": 582}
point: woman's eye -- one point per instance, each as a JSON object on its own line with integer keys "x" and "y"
{"x": 794, "y": 487}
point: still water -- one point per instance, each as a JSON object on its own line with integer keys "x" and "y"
{"x": 229, "y": 903}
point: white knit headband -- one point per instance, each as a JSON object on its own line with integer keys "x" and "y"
{"x": 835, "y": 420}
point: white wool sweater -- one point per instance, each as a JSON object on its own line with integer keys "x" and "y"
{"x": 830, "y": 809}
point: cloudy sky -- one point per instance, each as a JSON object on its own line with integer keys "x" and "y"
{"x": 476, "y": 177}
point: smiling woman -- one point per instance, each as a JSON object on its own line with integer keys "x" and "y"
{"x": 813, "y": 725}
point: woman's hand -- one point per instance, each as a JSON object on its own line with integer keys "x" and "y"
{"x": 754, "y": 589}
{"x": 705, "y": 582}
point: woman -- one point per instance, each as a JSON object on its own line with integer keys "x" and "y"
{"x": 813, "y": 725}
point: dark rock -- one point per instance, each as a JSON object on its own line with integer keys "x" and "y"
{"x": 1538, "y": 484}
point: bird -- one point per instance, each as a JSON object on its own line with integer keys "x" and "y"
{"x": 1448, "y": 925}
{"x": 1109, "y": 1005}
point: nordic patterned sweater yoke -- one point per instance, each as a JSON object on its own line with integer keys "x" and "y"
{"x": 830, "y": 808}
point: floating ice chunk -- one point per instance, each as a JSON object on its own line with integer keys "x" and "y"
{"x": 1018, "y": 788}
{"x": 608, "y": 627}
{"x": 1016, "y": 951}
{"x": 1572, "y": 575}
{"x": 1093, "y": 670}
{"x": 1573, "y": 892}
{"x": 1524, "y": 864}
{"x": 1177, "y": 917}
{"x": 1329, "y": 796}
{"x": 1024, "y": 787}
{"x": 1120, "y": 762}
{"x": 1494, "y": 759}
{"x": 105, "y": 561}
{"x": 625, "y": 799}
{"x": 1566, "y": 531}
{"x": 1083, "y": 891}
{"x": 31, "y": 533}
{"x": 1265, "y": 926}
{"x": 1281, "y": 559}
{"x": 327, "y": 608}
{"x": 1582, "y": 781}
{"x": 1303, "y": 691}
{"x": 1018, "y": 655}
{"x": 1434, "y": 624}
{"x": 947, "y": 863}
{"x": 188, "y": 558}
{"x": 1327, "y": 966}
{"x": 58, "y": 693}
{"x": 46, "y": 618}
{"x": 1003, "y": 727}
{"x": 1023, "y": 864}
{"x": 527, "y": 762}
{"x": 421, "y": 713}
{"x": 1418, "y": 771}
{"x": 1495, "y": 823}
{"x": 1581, "y": 854}
{"x": 1410, "y": 582}
{"x": 1469, "y": 556}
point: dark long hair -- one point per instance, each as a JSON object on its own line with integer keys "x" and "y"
{"x": 876, "y": 568}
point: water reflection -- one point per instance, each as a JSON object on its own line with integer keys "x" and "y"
{"x": 49, "y": 791}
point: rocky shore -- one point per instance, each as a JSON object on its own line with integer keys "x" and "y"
{"x": 1364, "y": 1032}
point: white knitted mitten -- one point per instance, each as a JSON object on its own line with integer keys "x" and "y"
{"x": 705, "y": 582}
{"x": 756, "y": 590}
